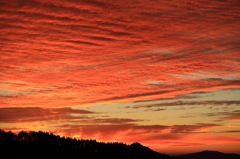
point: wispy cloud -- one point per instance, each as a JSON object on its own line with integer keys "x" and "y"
{"x": 233, "y": 116}
{"x": 227, "y": 115}
{"x": 161, "y": 105}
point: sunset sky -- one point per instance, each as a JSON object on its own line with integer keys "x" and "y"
{"x": 164, "y": 73}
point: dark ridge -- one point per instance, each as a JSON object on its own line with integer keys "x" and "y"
{"x": 139, "y": 147}
{"x": 47, "y": 145}
{"x": 210, "y": 155}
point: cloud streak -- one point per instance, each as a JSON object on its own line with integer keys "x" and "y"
{"x": 181, "y": 103}
{"x": 13, "y": 115}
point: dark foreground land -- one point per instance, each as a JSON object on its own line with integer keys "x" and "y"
{"x": 29, "y": 145}
{"x": 210, "y": 155}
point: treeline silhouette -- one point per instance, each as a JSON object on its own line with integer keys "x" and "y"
{"x": 50, "y": 138}
{"x": 47, "y": 145}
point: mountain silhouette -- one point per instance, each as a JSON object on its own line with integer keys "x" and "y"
{"x": 138, "y": 147}
{"x": 209, "y": 155}
{"x": 136, "y": 150}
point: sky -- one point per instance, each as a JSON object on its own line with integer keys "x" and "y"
{"x": 164, "y": 73}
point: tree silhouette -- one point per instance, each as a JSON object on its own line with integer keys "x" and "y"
{"x": 27, "y": 144}
{"x": 23, "y": 136}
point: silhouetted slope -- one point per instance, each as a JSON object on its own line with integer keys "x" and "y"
{"x": 137, "y": 147}
{"x": 132, "y": 151}
{"x": 32, "y": 149}
{"x": 44, "y": 145}
{"x": 209, "y": 155}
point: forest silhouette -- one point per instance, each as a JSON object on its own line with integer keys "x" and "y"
{"x": 41, "y": 144}
{"x": 47, "y": 145}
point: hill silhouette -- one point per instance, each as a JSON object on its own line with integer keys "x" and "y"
{"x": 139, "y": 147}
{"x": 47, "y": 145}
{"x": 210, "y": 155}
